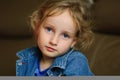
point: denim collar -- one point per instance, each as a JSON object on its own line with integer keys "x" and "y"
{"x": 34, "y": 52}
{"x": 29, "y": 53}
{"x": 61, "y": 61}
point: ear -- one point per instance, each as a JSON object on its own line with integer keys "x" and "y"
{"x": 74, "y": 42}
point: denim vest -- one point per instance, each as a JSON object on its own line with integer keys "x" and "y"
{"x": 72, "y": 63}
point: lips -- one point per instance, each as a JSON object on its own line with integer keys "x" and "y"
{"x": 50, "y": 49}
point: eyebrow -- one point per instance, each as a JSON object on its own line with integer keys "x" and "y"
{"x": 69, "y": 32}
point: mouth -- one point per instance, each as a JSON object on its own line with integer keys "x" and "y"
{"x": 50, "y": 49}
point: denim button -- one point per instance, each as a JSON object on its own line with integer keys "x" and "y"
{"x": 51, "y": 74}
{"x": 20, "y": 63}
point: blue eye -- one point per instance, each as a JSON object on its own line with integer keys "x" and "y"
{"x": 65, "y": 35}
{"x": 48, "y": 29}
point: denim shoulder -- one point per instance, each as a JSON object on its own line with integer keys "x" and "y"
{"x": 23, "y": 54}
{"x": 77, "y": 65}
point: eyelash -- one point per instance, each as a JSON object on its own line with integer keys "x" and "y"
{"x": 66, "y": 35}
{"x": 48, "y": 29}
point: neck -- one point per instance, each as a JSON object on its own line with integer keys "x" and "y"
{"x": 45, "y": 63}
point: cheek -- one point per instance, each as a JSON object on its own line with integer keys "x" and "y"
{"x": 64, "y": 46}
{"x": 43, "y": 37}
{"x": 39, "y": 40}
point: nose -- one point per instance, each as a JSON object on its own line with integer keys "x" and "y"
{"x": 54, "y": 40}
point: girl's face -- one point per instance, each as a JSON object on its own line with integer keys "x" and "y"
{"x": 57, "y": 35}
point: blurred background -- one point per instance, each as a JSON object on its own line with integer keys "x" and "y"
{"x": 15, "y": 34}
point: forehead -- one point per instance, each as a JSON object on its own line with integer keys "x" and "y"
{"x": 52, "y": 11}
{"x": 64, "y": 18}
{"x": 62, "y": 14}
{"x": 62, "y": 21}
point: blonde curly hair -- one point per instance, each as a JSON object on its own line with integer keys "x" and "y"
{"x": 80, "y": 10}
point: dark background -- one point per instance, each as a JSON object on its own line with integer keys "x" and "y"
{"x": 15, "y": 34}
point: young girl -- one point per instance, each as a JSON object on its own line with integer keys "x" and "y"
{"x": 61, "y": 28}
